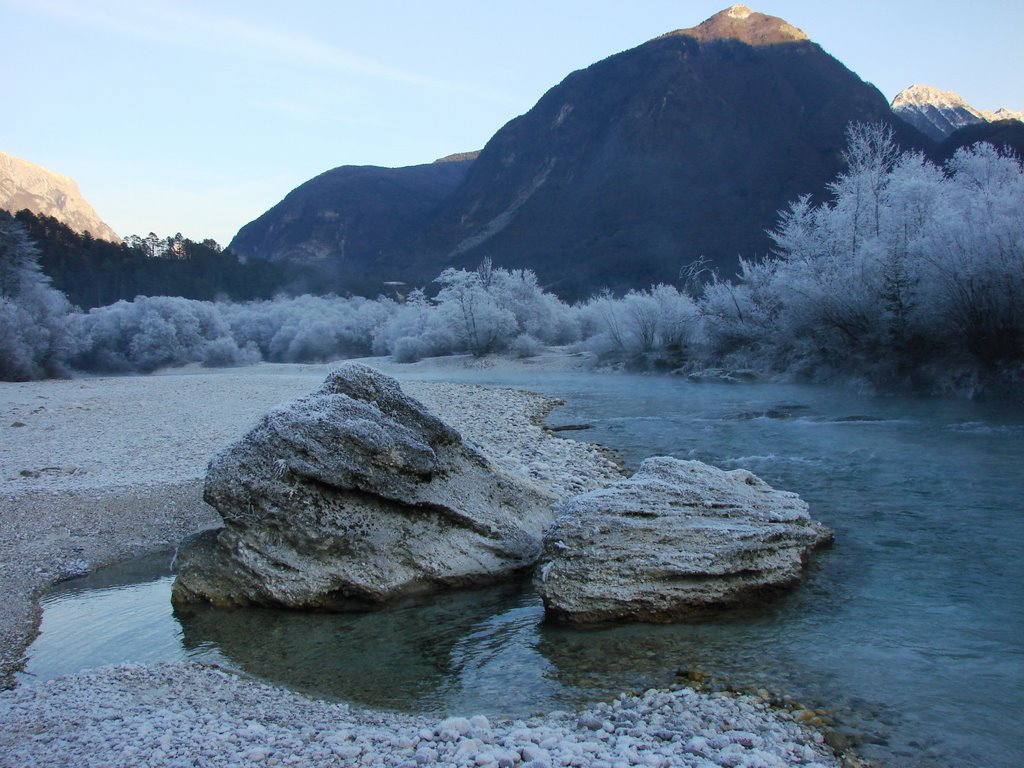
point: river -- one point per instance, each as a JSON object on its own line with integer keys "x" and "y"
{"x": 909, "y": 629}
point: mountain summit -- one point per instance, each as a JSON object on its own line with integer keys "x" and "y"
{"x": 747, "y": 26}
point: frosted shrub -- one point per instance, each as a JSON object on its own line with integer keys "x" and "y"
{"x": 225, "y": 353}
{"x": 655, "y": 327}
{"x": 308, "y": 328}
{"x": 414, "y": 330}
{"x": 146, "y": 334}
{"x": 526, "y": 345}
{"x": 409, "y": 349}
{"x": 537, "y": 313}
{"x": 472, "y": 314}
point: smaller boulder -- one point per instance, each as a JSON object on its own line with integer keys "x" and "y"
{"x": 676, "y": 539}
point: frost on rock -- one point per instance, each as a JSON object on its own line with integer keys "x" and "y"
{"x": 355, "y": 495}
{"x": 676, "y": 539}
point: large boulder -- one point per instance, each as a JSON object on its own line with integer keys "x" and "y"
{"x": 352, "y": 496}
{"x": 676, "y": 539}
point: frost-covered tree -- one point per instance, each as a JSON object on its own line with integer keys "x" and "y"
{"x": 975, "y": 259}
{"x": 472, "y": 313}
{"x": 911, "y": 274}
{"x": 538, "y": 314}
{"x": 34, "y": 340}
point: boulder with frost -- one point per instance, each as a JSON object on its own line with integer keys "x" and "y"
{"x": 354, "y": 495}
{"x": 669, "y": 543}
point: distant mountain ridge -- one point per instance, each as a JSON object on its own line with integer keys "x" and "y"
{"x": 684, "y": 147}
{"x": 27, "y": 185}
{"x": 938, "y": 113}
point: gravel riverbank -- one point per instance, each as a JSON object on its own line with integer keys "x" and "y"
{"x": 186, "y": 714}
{"x": 96, "y": 470}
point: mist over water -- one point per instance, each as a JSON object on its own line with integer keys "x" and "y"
{"x": 910, "y": 628}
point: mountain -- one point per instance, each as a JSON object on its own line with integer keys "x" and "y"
{"x": 340, "y": 221}
{"x": 683, "y": 147}
{"x": 938, "y": 114}
{"x": 628, "y": 170}
{"x": 933, "y": 112}
{"x": 26, "y": 185}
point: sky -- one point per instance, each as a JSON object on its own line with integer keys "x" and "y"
{"x": 197, "y": 116}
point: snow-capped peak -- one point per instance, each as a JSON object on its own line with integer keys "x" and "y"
{"x": 1003, "y": 114}
{"x": 926, "y": 95}
{"x": 738, "y": 22}
{"x": 938, "y": 113}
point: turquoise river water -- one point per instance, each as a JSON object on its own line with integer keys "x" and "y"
{"x": 910, "y": 628}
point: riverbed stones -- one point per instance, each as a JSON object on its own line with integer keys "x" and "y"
{"x": 353, "y": 496}
{"x": 676, "y": 539}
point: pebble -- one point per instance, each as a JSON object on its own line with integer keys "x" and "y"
{"x": 190, "y": 714}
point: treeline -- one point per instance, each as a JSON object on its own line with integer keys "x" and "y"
{"x": 94, "y": 273}
{"x": 910, "y": 278}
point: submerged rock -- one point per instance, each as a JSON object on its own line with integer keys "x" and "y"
{"x": 675, "y": 539}
{"x": 353, "y": 496}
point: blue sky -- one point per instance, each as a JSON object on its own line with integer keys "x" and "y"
{"x": 197, "y": 116}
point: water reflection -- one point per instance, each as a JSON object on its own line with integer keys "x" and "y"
{"x": 113, "y": 615}
{"x": 419, "y": 655}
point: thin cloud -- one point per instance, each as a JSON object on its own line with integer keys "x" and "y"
{"x": 199, "y": 26}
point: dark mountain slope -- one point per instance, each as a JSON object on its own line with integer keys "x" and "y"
{"x": 1000, "y": 134}
{"x": 340, "y": 222}
{"x": 685, "y": 146}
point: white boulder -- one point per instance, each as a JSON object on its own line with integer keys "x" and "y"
{"x": 669, "y": 543}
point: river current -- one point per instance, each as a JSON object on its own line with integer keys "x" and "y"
{"x": 909, "y": 629}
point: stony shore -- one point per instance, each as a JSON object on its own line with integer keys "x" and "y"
{"x": 96, "y": 470}
{"x": 186, "y": 714}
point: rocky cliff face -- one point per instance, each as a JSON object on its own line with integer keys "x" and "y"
{"x": 26, "y": 185}
{"x": 938, "y": 114}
